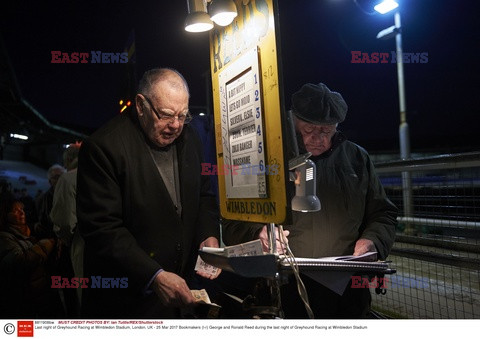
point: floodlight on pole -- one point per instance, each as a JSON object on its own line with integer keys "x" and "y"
{"x": 403, "y": 131}
{"x": 396, "y": 31}
{"x": 387, "y": 33}
{"x": 386, "y": 6}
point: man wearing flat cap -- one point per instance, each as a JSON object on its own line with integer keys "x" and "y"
{"x": 356, "y": 216}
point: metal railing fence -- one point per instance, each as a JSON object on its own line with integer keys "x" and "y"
{"x": 437, "y": 248}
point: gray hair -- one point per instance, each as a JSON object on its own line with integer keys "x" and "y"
{"x": 151, "y": 77}
{"x": 54, "y": 168}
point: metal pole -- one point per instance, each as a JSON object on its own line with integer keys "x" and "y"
{"x": 404, "y": 142}
{"x": 272, "y": 238}
{"x": 404, "y": 134}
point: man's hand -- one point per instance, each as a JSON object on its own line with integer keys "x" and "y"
{"x": 210, "y": 242}
{"x": 363, "y": 246}
{"x": 281, "y": 246}
{"x": 172, "y": 290}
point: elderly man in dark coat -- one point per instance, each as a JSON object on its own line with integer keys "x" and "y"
{"x": 143, "y": 206}
{"x": 356, "y": 216}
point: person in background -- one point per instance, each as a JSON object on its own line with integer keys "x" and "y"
{"x": 44, "y": 227}
{"x": 29, "y": 206}
{"x": 37, "y": 196}
{"x": 24, "y": 285}
{"x": 64, "y": 218}
{"x": 143, "y": 207}
{"x": 356, "y": 216}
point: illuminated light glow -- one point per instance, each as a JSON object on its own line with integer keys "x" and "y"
{"x": 129, "y": 103}
{"x": 309, "y": 174}
{"x": 197, "y": 19}
{"x": 199, "y": 27}
{"x": 224, "y": 19}
{"x": 123, "y": 108}
{"x": 121, "y": 102}
{"x": 197, "y": 22}
{"x": 252, "y": 30}
{"x": 18, "y": 136}
{"x": 201, "y": 114}
{"x": 386, "y": 6}
{"x": 223, "y": 12}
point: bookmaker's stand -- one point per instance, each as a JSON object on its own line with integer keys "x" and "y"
{"x": 275, "y": 269}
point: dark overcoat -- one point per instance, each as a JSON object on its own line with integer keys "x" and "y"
{"x": 129, "y": 222}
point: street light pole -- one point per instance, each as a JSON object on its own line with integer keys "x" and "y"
{"x": 404, "y": 133}
{"x": 403, "y": 130}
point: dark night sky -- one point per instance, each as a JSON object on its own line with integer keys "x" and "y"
{"x": 316, "y": 40}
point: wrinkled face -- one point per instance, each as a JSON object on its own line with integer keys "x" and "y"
{"x": 17, "y": 215}
{"x": 317, "y": 138}
{"x": 162, "y": 123}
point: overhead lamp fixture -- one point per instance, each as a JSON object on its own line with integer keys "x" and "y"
{"x": 197, "y": 20}
{"x": 222, "y": 12}
{"x": 386, "y": 6}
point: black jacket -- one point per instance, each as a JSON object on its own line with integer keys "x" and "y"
{"x": 353, "y": 205}
{"x": 128, "y": 221}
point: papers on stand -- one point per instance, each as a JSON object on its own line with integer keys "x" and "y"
{"x": 250, "y": 248}
{"x": 253, "y": 247}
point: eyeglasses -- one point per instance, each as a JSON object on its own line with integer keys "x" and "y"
{"x": 184, "y": 118}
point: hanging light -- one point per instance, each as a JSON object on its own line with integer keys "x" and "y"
{"x": 222, "y": 12}
{"x": 197, "y": 20}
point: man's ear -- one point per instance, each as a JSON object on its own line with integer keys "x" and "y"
{"x": 139, "y": 105}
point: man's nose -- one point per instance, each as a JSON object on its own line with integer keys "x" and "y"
{"x": 316, "y": 138}
{"x": 175, "y": 123}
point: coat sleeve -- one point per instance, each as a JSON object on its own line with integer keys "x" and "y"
{"x": 19, "y": 261}
{"x": 380, "y": 217}
{"x": 101, "y": 220}
{"x": 236, "y": 232}
{"x": 63, "y": 213}
{"x": 208, "y": 213}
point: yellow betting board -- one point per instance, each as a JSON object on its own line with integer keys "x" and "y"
{"x": 248, "y": 116}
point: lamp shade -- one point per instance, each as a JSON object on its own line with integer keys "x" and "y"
{"x": 305, "y": 199}
{"x": 197, "y": 20}
{"x": 222, "y": 12}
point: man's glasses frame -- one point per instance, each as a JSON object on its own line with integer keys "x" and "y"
{"x": 168, "y": 118}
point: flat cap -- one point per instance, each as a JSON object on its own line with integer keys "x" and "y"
{"x": 317, "y": 104}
